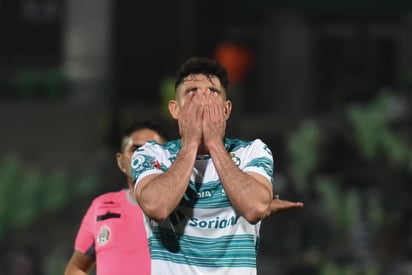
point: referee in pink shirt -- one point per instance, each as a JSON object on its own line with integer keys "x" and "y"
{"x": 112, "y": 235}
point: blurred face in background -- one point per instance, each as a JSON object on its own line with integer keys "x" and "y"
{"x": 130, "y": 144}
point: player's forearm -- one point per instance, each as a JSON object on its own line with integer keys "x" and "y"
{"x": 162, "y": 194}
{"x": 249, "y": 196}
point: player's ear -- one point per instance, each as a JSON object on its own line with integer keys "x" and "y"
{"x": 120, "y": 162}
{"x": 174, "y": 108}
{"x": 228, "y": 109}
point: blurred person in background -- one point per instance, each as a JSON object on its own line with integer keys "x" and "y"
{"x": 112, "y": 235}
{"x": 204, "y": 194}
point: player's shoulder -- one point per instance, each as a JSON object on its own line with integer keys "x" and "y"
{"x": 152, "y": 145}
{"x": 237, "y": 142}
{"x": 169, "y": 147}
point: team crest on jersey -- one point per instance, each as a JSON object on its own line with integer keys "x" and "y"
{"x": 104, "y": 235}
{"x": 235, "y": 159}
{"x": 137, "y": 160}
{"x": 155, "y": 163}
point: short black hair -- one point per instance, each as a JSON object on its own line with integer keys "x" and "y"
{"x": 202, "y": 65}
{"x": 143, "y": 124}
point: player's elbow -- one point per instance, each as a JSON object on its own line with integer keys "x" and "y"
{"x": 156, "y": 212}
{"x": 255, "y": 214}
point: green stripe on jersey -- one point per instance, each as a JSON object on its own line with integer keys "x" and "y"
{"x": 224, "y": 251}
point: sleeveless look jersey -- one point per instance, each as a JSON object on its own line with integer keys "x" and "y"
{"x": 113, "y": 232}
{"x": 205, "y": 234}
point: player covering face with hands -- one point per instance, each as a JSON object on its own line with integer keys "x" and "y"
{"x": 209, "y": 110}
{"x": 203, "y": 194}
{"x": 201, "y": 109}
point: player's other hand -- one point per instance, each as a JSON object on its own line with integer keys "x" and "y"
{"x": 278, "y": 204}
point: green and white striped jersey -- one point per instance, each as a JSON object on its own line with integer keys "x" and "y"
{"x": 205, "y": 234}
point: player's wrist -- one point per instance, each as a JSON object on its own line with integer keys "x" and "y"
{"x": 216, "y": 146}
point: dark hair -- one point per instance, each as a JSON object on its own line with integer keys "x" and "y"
{"x": 202, "y": 65}
{"x": 143, "y": 124}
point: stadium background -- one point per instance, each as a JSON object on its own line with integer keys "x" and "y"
{"x": 327, "y": 84}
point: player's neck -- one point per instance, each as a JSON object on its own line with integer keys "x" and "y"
{"x": 202, "y": 150}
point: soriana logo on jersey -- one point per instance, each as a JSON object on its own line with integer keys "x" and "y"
{"x": 104, "y": 235}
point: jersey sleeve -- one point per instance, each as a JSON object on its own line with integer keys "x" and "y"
{"x": 260, "y": 160}
{"x": 148, "y": 159}
{"x": 84, "y": 242}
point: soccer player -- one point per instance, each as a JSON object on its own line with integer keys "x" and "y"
{"x": 204, "y": 194}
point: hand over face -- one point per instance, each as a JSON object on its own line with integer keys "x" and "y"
{"x": 214, "y": 118}
{"x": 201, "y": 109}
{"x": 191, "y": 118}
